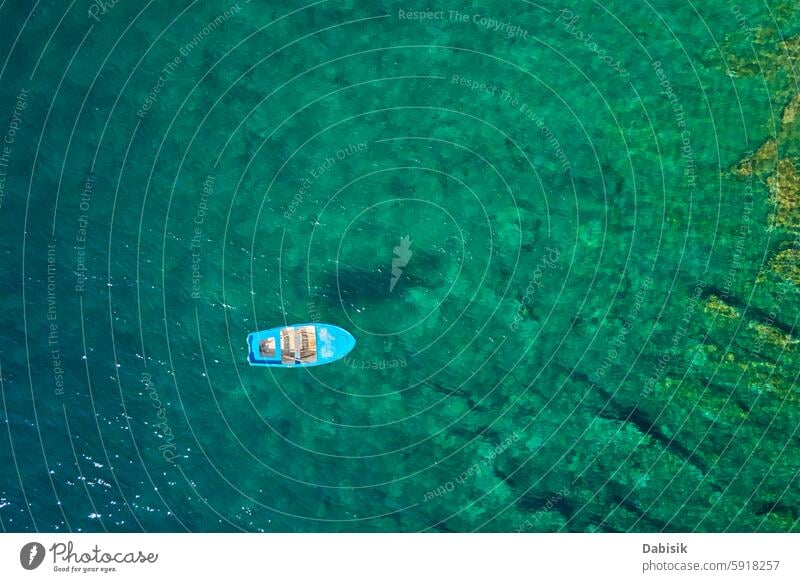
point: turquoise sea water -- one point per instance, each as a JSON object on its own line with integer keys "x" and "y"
{"x": 590, "y": 324}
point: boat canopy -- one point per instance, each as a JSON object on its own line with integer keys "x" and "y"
{"x": 298, "y": 345}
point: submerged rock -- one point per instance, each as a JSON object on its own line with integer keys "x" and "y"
{"x": 784, "y": 188}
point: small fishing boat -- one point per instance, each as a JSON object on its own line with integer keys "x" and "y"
{"x": 303, "y": 344}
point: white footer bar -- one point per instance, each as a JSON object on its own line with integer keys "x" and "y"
{"x": 402, "y": 557}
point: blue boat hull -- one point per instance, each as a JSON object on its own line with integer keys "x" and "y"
{"x": 300, "y": 345}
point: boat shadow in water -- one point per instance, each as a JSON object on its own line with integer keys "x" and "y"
{"x": 374, "y": 283}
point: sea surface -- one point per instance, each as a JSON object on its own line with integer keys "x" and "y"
{"x": 566, "y": 238}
